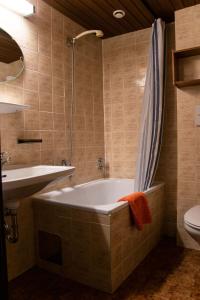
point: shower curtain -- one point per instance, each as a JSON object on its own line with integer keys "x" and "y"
{"x": 152, "y": 111}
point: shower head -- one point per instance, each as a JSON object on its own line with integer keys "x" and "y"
{"x": 98, "y": 33}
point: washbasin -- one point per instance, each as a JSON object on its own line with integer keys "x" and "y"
{"x": 24, "y": 182}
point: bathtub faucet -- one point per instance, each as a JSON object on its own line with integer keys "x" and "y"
{"x": 100, "y": 163}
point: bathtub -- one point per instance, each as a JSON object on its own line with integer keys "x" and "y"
{"x": 84, "y": 234}
{"x": 96, "y": 196}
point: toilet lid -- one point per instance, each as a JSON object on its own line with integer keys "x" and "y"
{"x": 192, "y": 216}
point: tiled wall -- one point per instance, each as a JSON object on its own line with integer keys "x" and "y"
{"x": 124, "y": 68}
{"x": 46, "y": 87}
{"x": 98, "y": 250}
{"x": 187, "y": 23}
{"x": 167, "y": 168}
{"x": 125, "y": 61}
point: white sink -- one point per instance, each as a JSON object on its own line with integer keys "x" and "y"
{"x": 24, "y": 182}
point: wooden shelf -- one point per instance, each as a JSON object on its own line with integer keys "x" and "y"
{"x": 187, "y": 52}
{"x": 8, "y": 108}
{"x": 178, "y": 59}
{"x": 184, "y": 83}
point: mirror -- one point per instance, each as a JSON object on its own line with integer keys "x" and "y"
{"x": 11, "y": 58}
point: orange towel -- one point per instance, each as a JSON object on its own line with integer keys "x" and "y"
{"x": 139, "y": 208}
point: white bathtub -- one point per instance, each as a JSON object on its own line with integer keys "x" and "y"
{"x": 100, "y": 245}
{"x": 98, "y": 196}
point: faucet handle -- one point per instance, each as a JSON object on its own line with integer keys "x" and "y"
{"x": 65, "y": 162}
{"x": 100, "y": 163}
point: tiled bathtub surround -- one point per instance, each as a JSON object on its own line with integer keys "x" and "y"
{"x": 125, "y": 59}
{"x": 46, "y": 87}
{"x": 188, "y": 36}
{"x": 98, "y": 250}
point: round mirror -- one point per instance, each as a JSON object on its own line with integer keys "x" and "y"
{"x": 11, "y": 58}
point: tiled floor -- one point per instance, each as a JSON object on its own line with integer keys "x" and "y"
{"x": 168, "y": 273}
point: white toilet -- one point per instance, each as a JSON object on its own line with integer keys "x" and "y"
{"x": 192, "y": 222}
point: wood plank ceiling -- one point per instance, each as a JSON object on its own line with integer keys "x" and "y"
{"x": 98, "y": 14}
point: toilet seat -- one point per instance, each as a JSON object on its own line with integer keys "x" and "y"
{"x": 192, "y": 225}
{"x": 192, "y": 217}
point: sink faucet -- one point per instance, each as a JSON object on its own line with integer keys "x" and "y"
{"x": 65, "y": 162}
{"x": 5, "y": 158}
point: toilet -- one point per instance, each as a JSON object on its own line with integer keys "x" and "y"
{"x": 192, "y": 222}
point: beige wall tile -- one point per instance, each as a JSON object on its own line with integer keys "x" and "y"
{"x": 45, "y": 83}
{"x": 46, "y": 121}
{"x": 46, "y": 103}
{"x": 31, "y": 120}
{"x": 31, "y": 59}
{"x": 31, "y": 98}
{"x": 58, "y": 104}
{"x": 44, "y": 45}
{"x": 30, "y": 80}
{"x": 44, "y": 64}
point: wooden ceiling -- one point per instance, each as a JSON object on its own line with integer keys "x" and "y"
{"x": 97, "y": 14}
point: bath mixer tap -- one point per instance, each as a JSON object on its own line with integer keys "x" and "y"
{"x": 5, "y": 158}
{"x": 100, "y": 163}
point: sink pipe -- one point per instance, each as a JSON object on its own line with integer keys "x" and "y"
{"x": 11, "y": 231}
{"x": 3, "y": 256}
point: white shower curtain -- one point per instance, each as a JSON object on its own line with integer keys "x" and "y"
{"x": 152, "y": 111}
